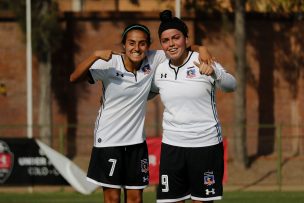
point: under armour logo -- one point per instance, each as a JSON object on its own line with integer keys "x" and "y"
{"x": 163, "y": 75}
{"x": 117, "y": 74}
{"x": 145, "y": 179}
{"x": 208, "y": 192}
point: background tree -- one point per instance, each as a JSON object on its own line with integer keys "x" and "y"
{"x": 46, "y": 35}
{"x": 289, "y": 37}
{"x": 240, "y": 135}
{"x": 288, "y": 61}
{"x": 266, "y": 137}
{"x": 203, "y": 7}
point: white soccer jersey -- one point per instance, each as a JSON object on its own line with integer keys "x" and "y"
{"x": 120, "y": 120}
{"x": 190, "y": 118}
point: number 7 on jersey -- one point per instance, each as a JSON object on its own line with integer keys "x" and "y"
{"x": 113, "y": 161}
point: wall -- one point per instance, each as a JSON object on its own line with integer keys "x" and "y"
{"x": 275, "y": 79}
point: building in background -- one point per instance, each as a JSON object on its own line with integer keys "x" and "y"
{"x": 275, "y": 61}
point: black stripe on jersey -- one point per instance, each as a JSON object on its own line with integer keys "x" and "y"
{"x": 176, "y": 70}
{"x": 90, "y": 78}
{"x": 102, "y": 102}
{"x": 135, "y": 76}
{"x": 213, "y": 105}
{"x": 96, "y": 126}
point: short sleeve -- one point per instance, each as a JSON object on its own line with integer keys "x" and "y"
{"x": 160, "y": 57}
{"x": 98, "y": 70}
{"x": 154, "y": 87}
{"x": 156, "y": 57}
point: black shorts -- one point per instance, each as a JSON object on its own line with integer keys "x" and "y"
{"x": 120, "y": 167}
{"x": 195, "y": 173}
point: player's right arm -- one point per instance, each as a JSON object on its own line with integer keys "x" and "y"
{"x": 81, "y": 71}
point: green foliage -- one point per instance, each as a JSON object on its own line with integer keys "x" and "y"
{"x": 46, "y": 29}
{"x": 286, "y": 6}
{"x": 282, "y": 7}
{"x": 204, "y": 6}
{"x": 4, "y": 5}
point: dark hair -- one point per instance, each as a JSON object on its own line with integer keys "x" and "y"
{"x": 136, "y": 27}
{"x": 170, "y": 22}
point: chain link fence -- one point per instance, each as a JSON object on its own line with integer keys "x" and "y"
{"x": 275, "y": 153}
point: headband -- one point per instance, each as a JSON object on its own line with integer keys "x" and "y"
{"x": 137, "y": 26}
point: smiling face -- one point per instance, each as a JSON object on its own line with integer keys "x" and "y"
{"x": 174, "y": 44}
{"x": 135, "y": 46}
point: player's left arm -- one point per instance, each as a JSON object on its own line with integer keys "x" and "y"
{"x": 223, "y": 80}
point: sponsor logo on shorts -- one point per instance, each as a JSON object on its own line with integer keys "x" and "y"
{"x": 6, "y": 161}
{"x": 144, "y": 165}
{"x": 212, "y": 191}
{"x": 146, "y": 179}
{"x": 209, "y": 178}
{"x": 191, "y": 72}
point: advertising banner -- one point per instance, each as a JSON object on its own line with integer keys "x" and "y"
{"x": 26, "y": 161}
{"x": 22, "y": 162}
{"x": 154, "y": 145}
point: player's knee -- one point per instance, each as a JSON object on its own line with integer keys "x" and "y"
{"x": 111, "y": 195}
{"x": 112, "y": 199}
{"x": 134, "y": 197}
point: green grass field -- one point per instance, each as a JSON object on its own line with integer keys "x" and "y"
{"x": 149, "y": 197}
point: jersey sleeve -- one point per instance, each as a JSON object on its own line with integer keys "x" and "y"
{"x": 160, "y": 56}
{"x": 152, "y": 95}
{"x": 154, "y": 87}
{"x": 156, "y": 57}
{"x": 98, "y": 70}
{"x": 223, "y": 80}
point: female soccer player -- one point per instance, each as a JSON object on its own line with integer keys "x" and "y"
{"x": 119, "y": 158}
{"x": 191, "y": 164}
